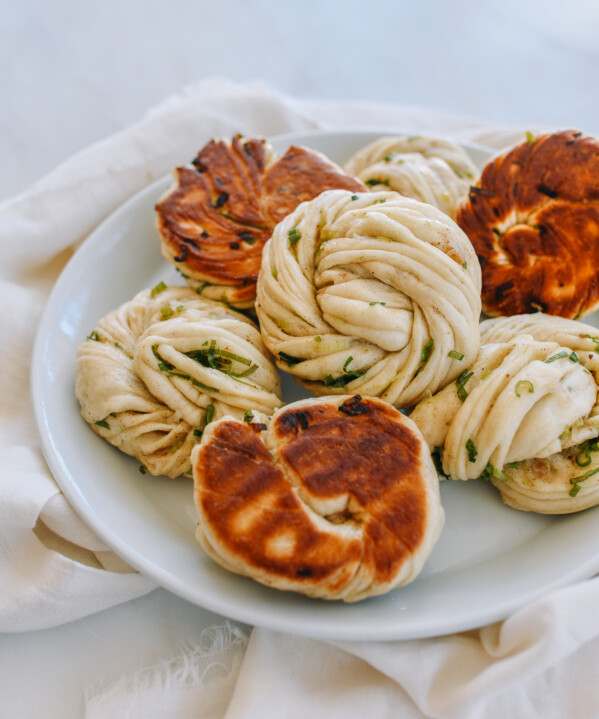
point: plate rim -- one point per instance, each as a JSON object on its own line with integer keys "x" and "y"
{"x": 80, "y": 504}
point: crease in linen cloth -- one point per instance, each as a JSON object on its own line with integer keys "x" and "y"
{"x": 542, "y": 661}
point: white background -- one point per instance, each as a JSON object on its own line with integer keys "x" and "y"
{"x": 74, "y": 72}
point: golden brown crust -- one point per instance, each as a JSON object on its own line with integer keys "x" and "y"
{"x": 238, "y": 474}
{"x": 216, "y": 219}
{"x": 355, "y": 462}
{"x": 533, "y": 218}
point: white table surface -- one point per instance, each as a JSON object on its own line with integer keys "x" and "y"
{"x": 75, "y": 72}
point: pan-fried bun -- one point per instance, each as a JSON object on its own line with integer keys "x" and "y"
{"x": 433, "y": 170}
{"x": 221, "y": 209}
{"x": 533, "y": 219}
{"x": 338, "y": 498}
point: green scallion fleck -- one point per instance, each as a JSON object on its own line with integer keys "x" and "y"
{"x": 595, "y": 340}
{"x": 178, "y": 444}
{"x": 354, "y": 197}
{"x": 426, "y": 351}
{"x": 294, "y": 235}
{"x": 558, "y": 356}
{"x": 472, "y": 451}
{"x": 197, "y": 433}
{"x": 209, "y": 413}
{"x": 575, "y": 481}
{"x": 103, "y": 423}
{"x": 530, "y": 138}
{"x": 166, "y": 312}
{"x": 160, "y": 287}
{"x": 454, "y": 354}
{"x": 142, "y": 469}
{"x": 377, "y": 303}
{"x": 347, "y": 363}
{"x": 461, "y": 384}
{"x": 289, "y": 359}
{"x": 274, "y": 272}
{"x": 248, "y": 416}
{"x": 522, "y": 383}
{"x": 93, "y": 335}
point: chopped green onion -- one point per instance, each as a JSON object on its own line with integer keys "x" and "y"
{"x": 169, "y": 369}
{"x": 487, "y": 472}
{"x": 438, "y": 461}
{"x": 575, "y": 481}
{"x": 160, "y": 287}
{"x": 289, "y": 359}
{"x": 595, "y": 340}
{"x": 318, "y": 338}
{"x": 197, "y": 433}
{"x": 166, "y": 312}
{"x": 345, "y": 379}
{"x": 354, "y": 197}
{"x": 239, "y": 221}
{"x": 461, "y": 382}
{"x": 102, "y": 423}
{"x": 142, "y": 469}
{"x": 176, "y": 446}
{"x": 426, "y": 351}
{"x": 377, "y": 303}
{"x": 347, "y": 362}
{"x": 209, "y": 413}
{"x": 530, "y": 138}
{"x": 274, "y": 272}
{"x": 574, "y": 357}
{"x": 472, "y": 451}
{"x": 559, "y": 355}
{"x": 294, "y": 235}
{"x": 247, "y": 237}
{"x": 93, "y": 335}
{"x": 591, "y": 445}
{"x": 248, "y": 416}
{"x": 500, "y": 475}
{"x": 454, "y": 354}
{"x": 531, "y": 387}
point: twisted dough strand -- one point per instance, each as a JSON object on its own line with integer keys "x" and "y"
{"x": 370, "y": 293}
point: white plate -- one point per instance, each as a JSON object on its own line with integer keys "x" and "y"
{"x": 489, "y": 560}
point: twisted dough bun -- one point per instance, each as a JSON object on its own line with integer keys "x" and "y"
{"x": 533, "y": 219}
{"x": 156, "y": 369}
{"x": 524, "y": 416}
{"x": 432, "y": 170}
{"x": 337, "y": 499}
{"x": 372, "y": 293}
{"x": 216, "y": 217}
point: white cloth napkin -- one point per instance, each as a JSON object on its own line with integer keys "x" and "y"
{"x": 53, "y": 569}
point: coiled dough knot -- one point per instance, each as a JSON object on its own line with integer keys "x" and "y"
{"x": 371, "y": 293}
{"x": 524, "y": 416}
{"x": 433, "y": 170}
{"x": 334, "y": 497}
{"x": 158, "y": 368}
